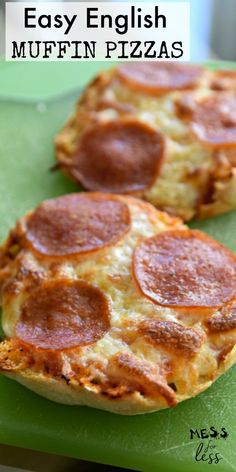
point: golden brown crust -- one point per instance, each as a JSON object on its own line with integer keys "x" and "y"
{"x": 223, "y": 321}
{"x": 224, "y": 80}
{"x": 141, "y": 375}
{"x": 13, "y": 357}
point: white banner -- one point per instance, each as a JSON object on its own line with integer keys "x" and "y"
{"x": 97, "y": 31}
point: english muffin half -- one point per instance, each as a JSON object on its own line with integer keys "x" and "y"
{"x": 110, "y": 303}
{"x": 165, "y": 132}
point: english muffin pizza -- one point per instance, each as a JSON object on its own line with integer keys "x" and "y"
{"x": 110, "y": 303}
{"x": 163, "y": 131}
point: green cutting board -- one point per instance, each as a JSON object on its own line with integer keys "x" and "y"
{"x": 152, "y": 442}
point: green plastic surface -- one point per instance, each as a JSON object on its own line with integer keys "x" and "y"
{"x": 151, "y": 442}
{"x": 32, "y": 80}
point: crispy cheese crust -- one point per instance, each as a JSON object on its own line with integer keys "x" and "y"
{"x": 139, "y": 356}
{"x": 194, "y": 179}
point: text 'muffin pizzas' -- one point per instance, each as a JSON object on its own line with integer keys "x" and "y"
{"x": 110, "y": 303}
{"x": 162, "y": 131}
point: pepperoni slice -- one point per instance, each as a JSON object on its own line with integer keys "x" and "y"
{"x": 119, "y": 156}
{"x": 224, "y": 80}
{"x": 62, "y": 314}
{"x": 77, "y": 223}
{"x": 159, "y": 77}
{"x": 185, "y": 269}
{"x": 214, "y": 120}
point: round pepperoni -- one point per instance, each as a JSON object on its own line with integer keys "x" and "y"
{"x": 77, "y": 223}
{"x": 119, "y": 156}
{"x": 62, "y": 314}
{"x": 214, "y": 120}
{"x": 185, "y": 269}
{"x": 159, "y": 77}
